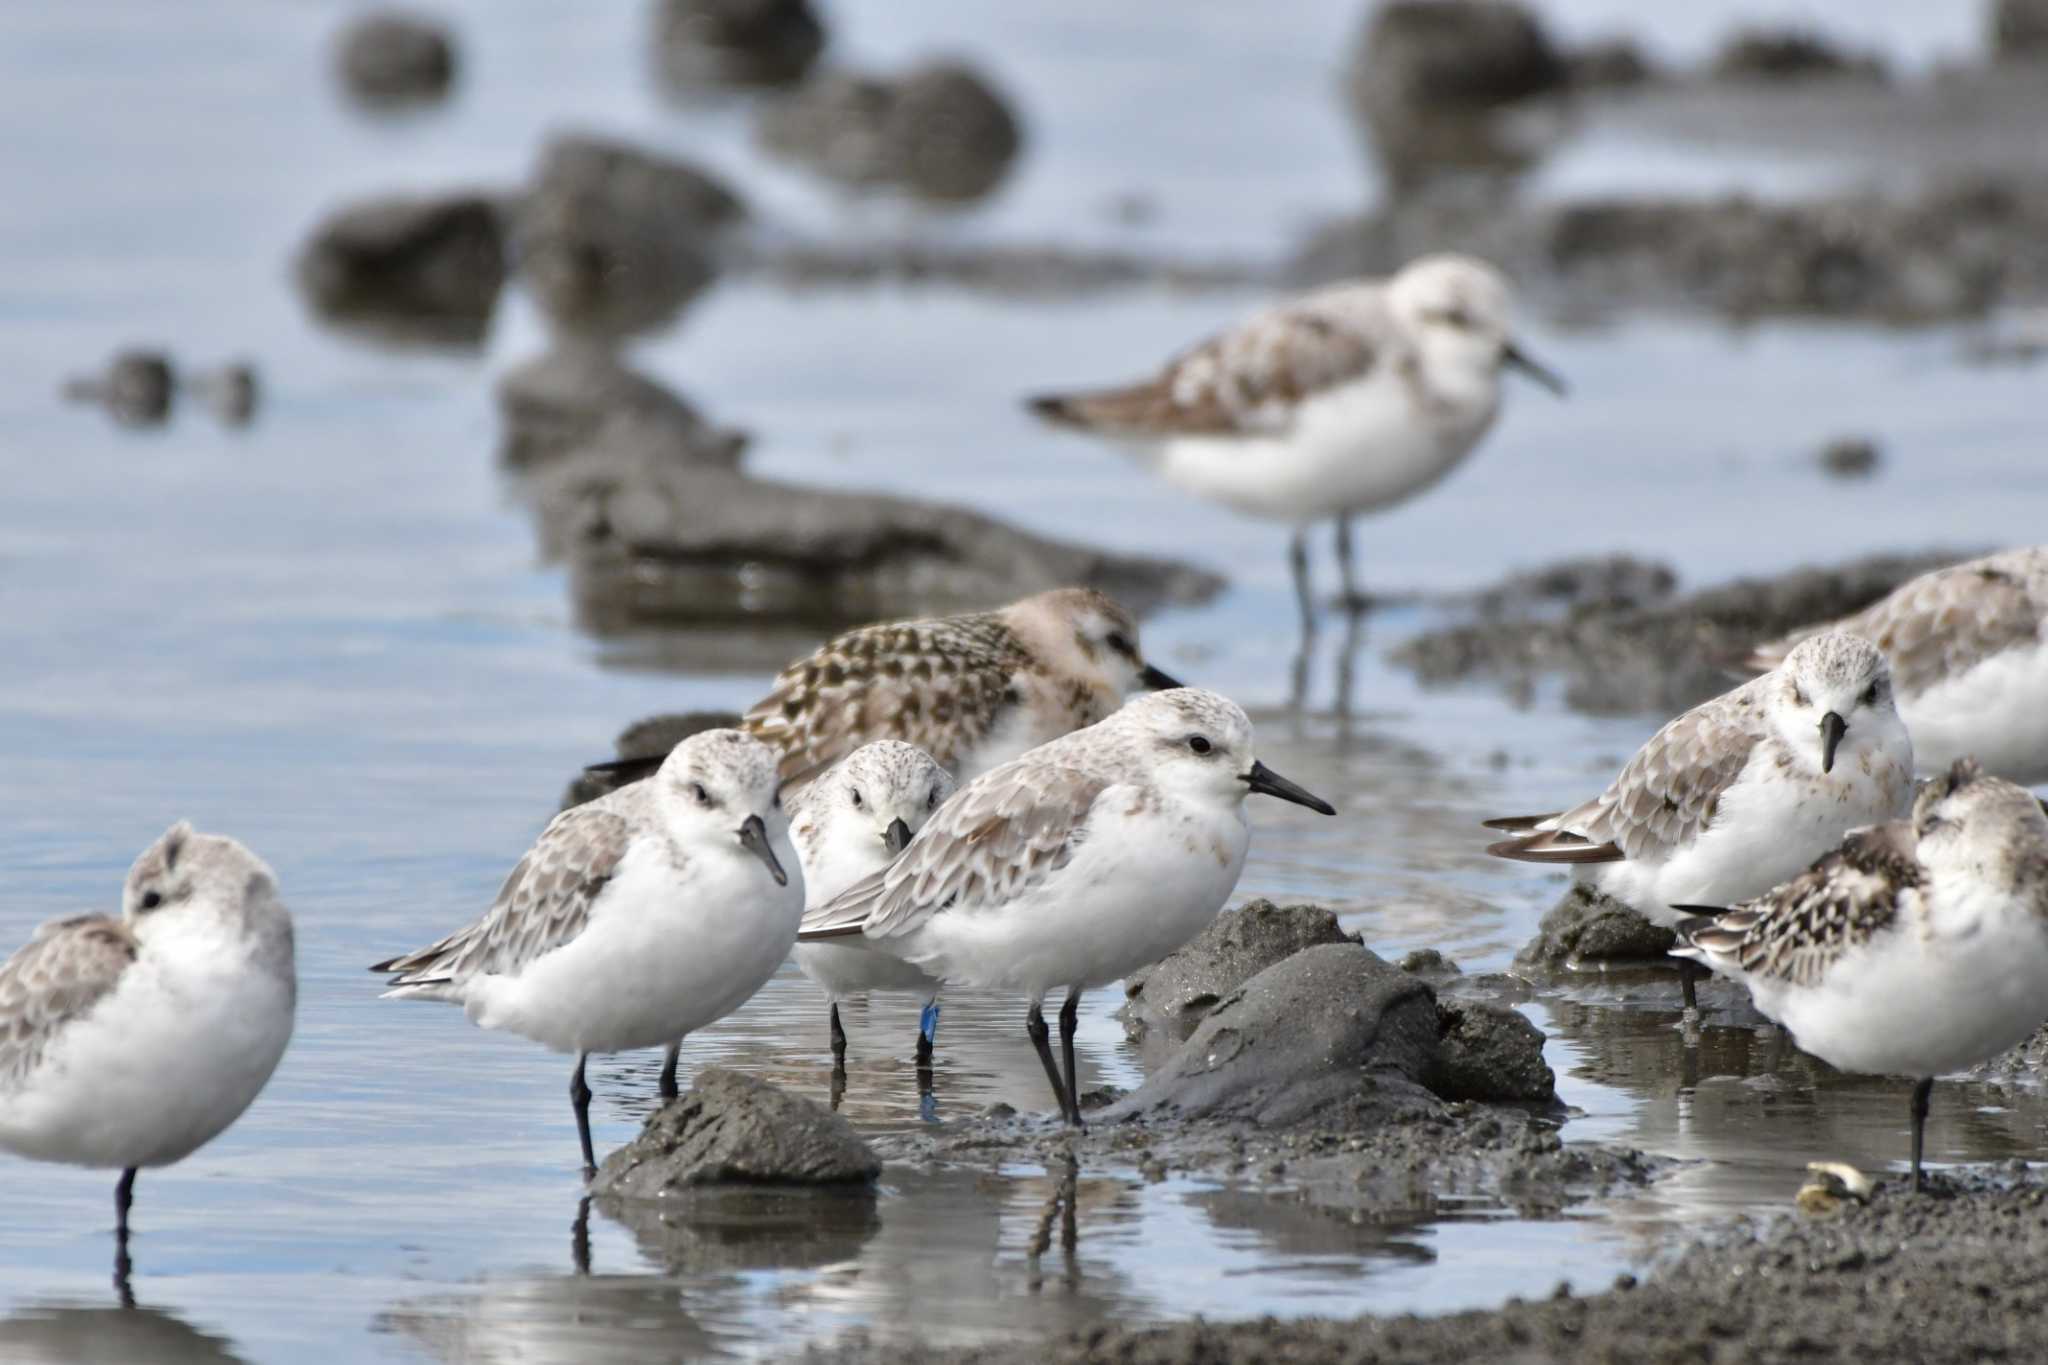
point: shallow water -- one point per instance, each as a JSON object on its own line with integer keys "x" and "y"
{"x": 328, "y": 635}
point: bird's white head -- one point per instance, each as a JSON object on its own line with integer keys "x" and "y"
{"x": 1831, "y": 702}
{"x": 720, "y": 787}
{"x": 1985, "y": 829}
{"x": 1087, "y": 636}
{"x": 1198, "y": 745}
{"x": 186, "y": 876}
{"x": 862, "y": 812}
{"x": 1457, "y": 309}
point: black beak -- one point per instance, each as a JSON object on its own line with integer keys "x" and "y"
{"x": 897, "y": 836}
{"x": 1513, "y": 355}
{"x": 1832, "y": 728}
{"x": 754, "y": 839}
{"x": 1158, "y": 680}
{"x": 1265, "y": 781}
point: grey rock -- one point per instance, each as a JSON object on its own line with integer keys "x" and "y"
{"x": 1662, "y": 657}
{"x": 1591, "y": 926}
{"x": 1490, "y": 1052}
{"x": 1850, "y": 457}
{"x": 1332, "y": 1028}
{"x": 733, "y": 1129}
{"x": 706, "y": 44}
{"x": 1164, "y": 1002}
{"x": 136, "y": 389}
{"x": 940, "y": 131}
{"x": 232, "y": 392}
{"x": 1789, "y": 55}
{"x": 394, "y": 57}
{"x": 408, "y": 268}
{"x": 1431, "y": 965}
{"x": 612, "y": 239}
{"x": 567, "y": 398}
{"x": 656, "y": 542}
{"x": 1612, "y": 64}
{"x": 2019, "y": 30}
{"x": 649, "y": 739}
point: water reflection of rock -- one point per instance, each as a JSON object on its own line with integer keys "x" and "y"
{"x": 1292, "y": 1228}
{"x": 555, "y": 1320}
{"x": 81, "y": 1335}
{"x": 740, "y": 1229}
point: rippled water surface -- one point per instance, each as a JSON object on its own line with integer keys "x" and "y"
{"x": 329, "y": 635}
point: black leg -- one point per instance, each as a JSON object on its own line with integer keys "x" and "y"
{"x": 1689, "y": 973}
{"x": 124, "y": 1199}
{"x": 1041, "y": 1038}
{"x": 666, "y": 1087}
{"x": 579, "y": 1099}
{"x": 1069, "y": 1016}
{"x": 579, "y": 1238}
{"x": 1297, "y": 556}
{"x": 1920, "y": 1093}
{"x": 1352, "y": 600}
{"x": 838, "y": 1040}
{"x": 927, "y": 1033}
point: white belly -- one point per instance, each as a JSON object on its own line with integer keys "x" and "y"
{"x": 662, "y": 957}
{"x": 158, "y": 1068}
{"x": 1354, "y": 449}
{"x": 1138, "y": 889}
{"x": 1996, "y": 712}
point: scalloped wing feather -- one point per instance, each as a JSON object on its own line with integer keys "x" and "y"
{"x": 68, "y": 967}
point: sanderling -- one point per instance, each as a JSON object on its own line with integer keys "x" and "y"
{"x": 1969, "y": 652}
{"x": 972, "y": 691}
{"x": 134, "y": 1042}
{"x": 1740, "y": 792}
{"x": 854, "y": 820}
{"x": 1347, "y": 400}
{"x": 1918, "y": 948}
{"x": 1079, "y": 862}
{"x": 633, "y": 919}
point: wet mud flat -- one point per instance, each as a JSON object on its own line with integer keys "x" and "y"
{"x": 1949, "y": 1275}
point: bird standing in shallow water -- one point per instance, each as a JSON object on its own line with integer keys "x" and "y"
{"x": 1078, "y": 863}
{"x": 1739, "y": 793}
{"x": 134, "y": 1041}
{"x": 1918, "y": 948}
{"x": 634, "y": 919}
{"x": 1347, "y": 400}
{"x": 855, "y": 819}
{"x": 972, "y": 691}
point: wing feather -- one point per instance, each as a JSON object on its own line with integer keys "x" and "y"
{"x": 59, "y": 975}
{"x": 543, "y": 904}
{"x": 999, "y": 837}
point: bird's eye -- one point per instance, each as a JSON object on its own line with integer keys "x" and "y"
{"x": 856, "y": 798}
{"x": 697, "y": 790}
{"x": 1870, "y": 694}
{"x": 932, "y": 802}
{"x": 1199, "y": 744}
{"x": 152, "y": 899}
{"x": 1121, "y": 643}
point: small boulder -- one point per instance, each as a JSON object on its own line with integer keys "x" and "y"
{"x": 1489, "y": 1052}
{"x": 1591, "y": 926}
{"x": 1316, "y": 1034}
{"x": 561, "y": 401}
{"x": 1850, "y": 457}
{"x": 711, "y": 43}
{"x": 394, "y": 57}
{"x": 940, "y": 131}
{"x": 734, "y": 1129}
{"x": 232, "y": 392}
{"x": 1789, "y": 55}
{"x": 411, "y": 268}
{"x": 1431, "y": 965}
{"x": 2019, "y": 30}
{"x": 136, "y": 389}
{"x": 612, "y": 240}
{"x": 1166, "y": 1001}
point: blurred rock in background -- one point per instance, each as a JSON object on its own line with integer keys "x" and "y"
{"x": 408, "y": 268}
{"x": 940, "y": 131}
{"x": 393, "y": 58}
{"x": 702, "y": 45}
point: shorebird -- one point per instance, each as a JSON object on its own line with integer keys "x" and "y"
{"x": 1077, "y": 863}
{"x": 1347, "y": 400}
{"x": 132, "y": 1042}
{"x": 972, "y": 691}
{"x": 1918, "y": 948}
{"x": 1968, "y": 647}
{"x": 1740, "y": 792}
{"x": 633, "y": 920}
{"x": 856, "y": 819}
